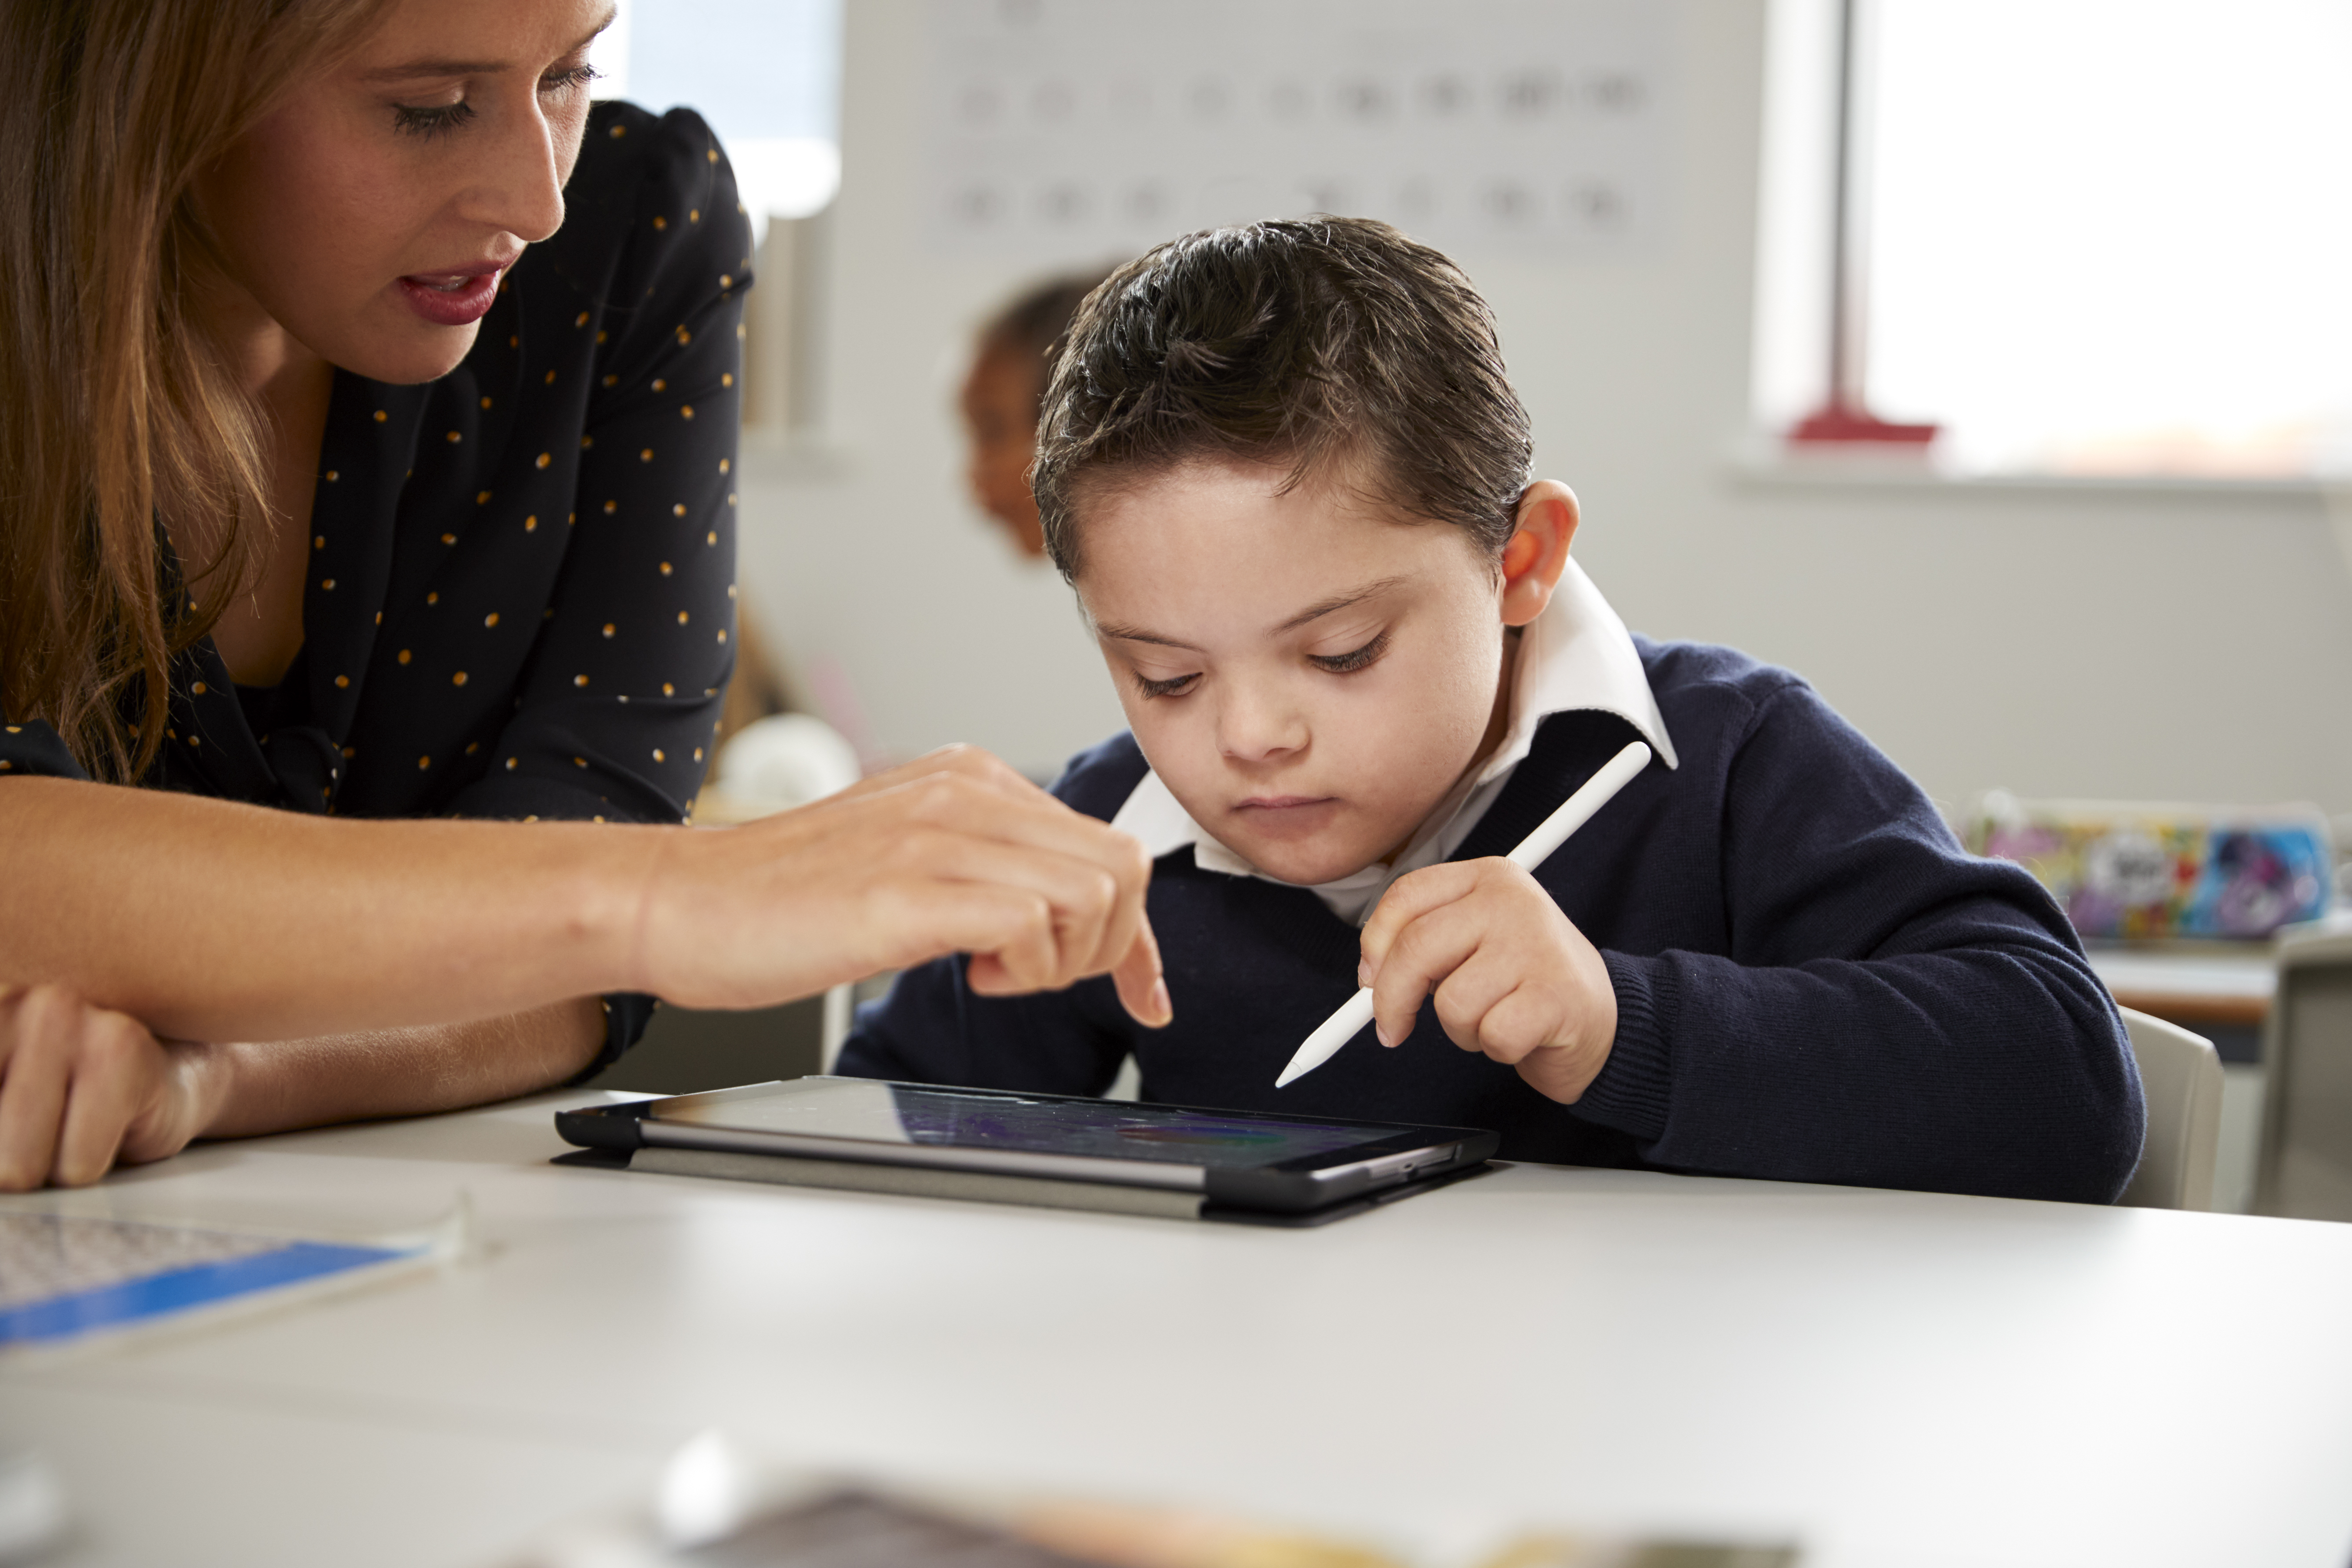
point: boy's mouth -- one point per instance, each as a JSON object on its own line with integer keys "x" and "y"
{"x": 1285, "y": 817}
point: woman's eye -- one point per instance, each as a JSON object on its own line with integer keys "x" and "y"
{"x": 1354, "y": 659}
{"x": 1174, "y": 687}
{"x": 430, "y": 120}
{"x": 563, "y": 80}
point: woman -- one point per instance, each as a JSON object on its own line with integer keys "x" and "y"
{"x": 345, "y": 475}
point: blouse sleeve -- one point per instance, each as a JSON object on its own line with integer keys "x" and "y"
{"x": 617, "y": 710}
{"x": 35, "y": 751}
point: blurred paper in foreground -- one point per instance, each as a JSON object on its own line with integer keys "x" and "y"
{"x": 825, "y": 1525}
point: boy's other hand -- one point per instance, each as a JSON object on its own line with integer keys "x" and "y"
{"x": 1514, "y": 979}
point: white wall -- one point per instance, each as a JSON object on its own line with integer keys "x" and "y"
{"x": 2158, "y": 644}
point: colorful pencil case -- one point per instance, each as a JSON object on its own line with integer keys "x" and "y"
{"x": 2135, "y": 872}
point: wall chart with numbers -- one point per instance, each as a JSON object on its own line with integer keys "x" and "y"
{"x": 1071, "y": 129}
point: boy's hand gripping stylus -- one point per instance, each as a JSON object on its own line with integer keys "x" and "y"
{"x": 1533, "y": 851}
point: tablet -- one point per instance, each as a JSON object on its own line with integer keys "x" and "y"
{"x": 1245, "y": 1159}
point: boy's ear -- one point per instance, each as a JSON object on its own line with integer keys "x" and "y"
{"x": 1537, "y": 551}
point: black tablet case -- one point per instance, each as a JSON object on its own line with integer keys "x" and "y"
{"x": 1033, "y": 1192}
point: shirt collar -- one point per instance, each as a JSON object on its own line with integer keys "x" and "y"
{"x": 1576, "y": 657}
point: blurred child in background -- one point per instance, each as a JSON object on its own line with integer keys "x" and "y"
{"x": 1011, "y": 358}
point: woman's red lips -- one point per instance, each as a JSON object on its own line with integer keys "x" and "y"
{"x": 455, "y": 299}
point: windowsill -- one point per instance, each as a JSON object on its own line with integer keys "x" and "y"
{"x": 1761, "y": 463}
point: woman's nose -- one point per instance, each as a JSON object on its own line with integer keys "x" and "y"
{"x": 519, "y": 187}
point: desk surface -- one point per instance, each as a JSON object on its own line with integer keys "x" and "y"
{"x": 1897, "y": 1379}
{"x": 2192, "y": 985}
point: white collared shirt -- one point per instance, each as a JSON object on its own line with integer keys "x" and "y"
{"x": 1575, "y": 657}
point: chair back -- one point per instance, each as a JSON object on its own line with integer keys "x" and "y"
{"x": 2180, "y": 1077}
{"x": 2305, "y": 1168}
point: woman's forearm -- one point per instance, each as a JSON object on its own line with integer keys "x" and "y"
{"x": 208, "y": 919}
{"x": 251, "y": 1088}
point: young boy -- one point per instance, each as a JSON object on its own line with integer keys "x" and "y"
{"x": 1284, "y": 470}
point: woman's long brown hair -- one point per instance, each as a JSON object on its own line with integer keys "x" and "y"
{"x": 117, "y": 410}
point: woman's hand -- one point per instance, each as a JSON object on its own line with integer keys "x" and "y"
{"x": 82, "y": 1087}
{"x": 1514, "y": 979}
{"x": 953, "y": 852}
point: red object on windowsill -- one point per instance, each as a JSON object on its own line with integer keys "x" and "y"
{"x": 1838, "y": 422}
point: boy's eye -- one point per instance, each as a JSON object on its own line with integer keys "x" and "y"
{"x": 1174, "y": 687}
{"x": 1354, "y": 659}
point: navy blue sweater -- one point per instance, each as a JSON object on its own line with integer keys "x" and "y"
{"x": 1814, "y": 982}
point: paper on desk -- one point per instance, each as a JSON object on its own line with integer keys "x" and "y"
{"x": 65, "y": 1277}
{"x": 712, "y": 1507}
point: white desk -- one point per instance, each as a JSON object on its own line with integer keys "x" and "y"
{"x": 1900, "y": 1380}
{"x": 2197, "y": 987}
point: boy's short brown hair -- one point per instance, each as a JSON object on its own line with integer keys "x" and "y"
{"x": 1326, "y": 345}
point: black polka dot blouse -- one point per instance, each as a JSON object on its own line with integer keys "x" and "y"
{"x": 520, "y": 601}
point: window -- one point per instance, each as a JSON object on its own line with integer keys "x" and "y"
{"x": 765, "y": 73}
{"x": 2101, "y": 236}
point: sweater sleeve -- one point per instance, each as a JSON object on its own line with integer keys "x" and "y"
{"x": 1893, "y": 1012}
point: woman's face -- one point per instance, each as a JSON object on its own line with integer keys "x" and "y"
{"x": 373, "y": 212}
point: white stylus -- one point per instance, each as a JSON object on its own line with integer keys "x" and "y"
{"x": 1533, "y": 851}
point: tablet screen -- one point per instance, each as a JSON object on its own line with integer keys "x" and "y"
{"x": 1114, "y": 1129}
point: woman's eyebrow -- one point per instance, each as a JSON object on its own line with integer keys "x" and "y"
{"x": 413, "y": 69}
{"x": 1339, "y": 602}
{"x": 419, "y": 69}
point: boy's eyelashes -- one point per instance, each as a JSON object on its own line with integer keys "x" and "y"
{"x": 1355, "y": 658}
{"x": 1347, "y": 663}
{"x": 1175, "y": 686}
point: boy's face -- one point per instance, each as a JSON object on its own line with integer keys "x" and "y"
{"x": 1308, "y": 677}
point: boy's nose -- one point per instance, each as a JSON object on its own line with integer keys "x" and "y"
{"x": 1259, "y": 731}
